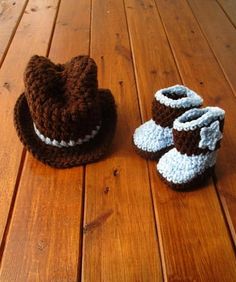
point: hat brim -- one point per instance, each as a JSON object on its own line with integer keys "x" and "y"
{"x": 67, "y": 157}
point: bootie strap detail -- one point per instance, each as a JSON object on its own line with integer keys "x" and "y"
{"x": 199, "y": 131}
{"x": 197, "y": 135}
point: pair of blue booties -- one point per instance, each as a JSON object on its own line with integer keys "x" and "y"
{"x": 181, "y": 136}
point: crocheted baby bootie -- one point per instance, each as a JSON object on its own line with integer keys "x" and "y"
{"x": 197, "y": 135}
{"x": 153, "y": 138}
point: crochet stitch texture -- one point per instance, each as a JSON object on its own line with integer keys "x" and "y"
{"x": 195, "y": 152}
{"x": 210, "y": 136}
{"x": 63, "y": 99}
{"x": 154, "y": 137}
{"x": 62, "y": 118}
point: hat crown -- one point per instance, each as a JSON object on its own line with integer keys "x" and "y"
{"x": 63, "y": 99}
{"x": 76, "y": 79}
{"x": 80, "y": 76}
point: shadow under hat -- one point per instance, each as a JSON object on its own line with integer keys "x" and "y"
{"x": 62, "y": 118}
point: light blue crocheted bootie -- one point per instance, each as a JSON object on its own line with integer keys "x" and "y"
{"x": 153, "y": 138}
{"x": 197, "y": 135}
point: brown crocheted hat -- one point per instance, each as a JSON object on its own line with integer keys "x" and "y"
{"x": 62, "y": 118}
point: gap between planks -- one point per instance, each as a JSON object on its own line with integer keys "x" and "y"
{"x": 222, "y": 202}
{"x": 4, "y": 237}
{"x": 211, "y": 47}
{"x": 11, "y": 191}
{"x": 214, "y": 191}
{"x": 142, "y": 119}
{"x": 24, "y": 152}
{"x": 80, "y": 251}
{"x": 114, "y": 13}
{"x": 228, "y": 10}
{"x": 8, "y": 43}
{"x": 220, "y": 198}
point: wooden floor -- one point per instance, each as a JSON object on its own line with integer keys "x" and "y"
{"x": 115, "y": 220}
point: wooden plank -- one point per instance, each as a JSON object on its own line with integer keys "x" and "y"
{"x": 153, "y": 62}
{"x": 44, "y": 241}
{"x": 32, "y": 37}
{"x": 220, "y": 34}
{"x": 187, "y": 222}
{"x": 196, "y": 63}
{"x": 120, "y": 242}
{"x": 229, "y": 6}
{"x": 200, "y": 71}
{"x": 10, "y": 14}
{"x": 72, "y": 33}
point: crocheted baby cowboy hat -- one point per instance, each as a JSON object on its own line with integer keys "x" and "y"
{"x": 62, "y": 118}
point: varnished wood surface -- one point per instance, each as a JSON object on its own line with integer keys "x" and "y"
{"x": 32, "y": 37}
{"x": 10, "y": 15}
{"x": 115, "y": 220}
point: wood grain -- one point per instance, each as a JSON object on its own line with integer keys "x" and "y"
{"x": 10, "y": 14}
{"x": 220, "y": 34}
{"x": 201, "y": 71}
{"x": 47, "y": 238}
{"x": 45, "y": 231}
{"x": 229, "y": 6}
{"x": 32, "y": 37}
{"x": 187, "y": 222}
{"x": 72, "y": 33}
{"x": 120, "y": 242}
{"x": 43, "y": 238}
{"x": 154, "y": 65}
